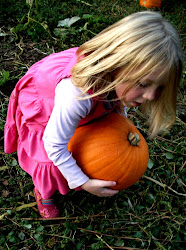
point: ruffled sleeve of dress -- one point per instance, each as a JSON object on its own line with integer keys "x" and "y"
{"x": 64, "y": 120}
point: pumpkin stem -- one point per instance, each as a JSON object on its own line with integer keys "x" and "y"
{"x": 133, "y": 139}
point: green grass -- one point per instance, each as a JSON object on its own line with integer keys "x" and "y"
{"x": 150, "y": 214}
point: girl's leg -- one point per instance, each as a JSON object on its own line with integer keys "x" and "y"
{"x": 47, "y": 179}
{"x": 46, "y": 207}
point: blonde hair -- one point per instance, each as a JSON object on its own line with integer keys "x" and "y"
{"x": 137, "y": 45}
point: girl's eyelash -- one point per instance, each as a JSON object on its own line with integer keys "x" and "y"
{"x": 142, "y": 85}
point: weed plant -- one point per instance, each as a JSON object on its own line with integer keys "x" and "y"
{"x": 150, "y": 214}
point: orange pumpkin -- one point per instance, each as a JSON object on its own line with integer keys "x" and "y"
{"x": 150, "y": 3}
{"x": 111, "y": 148}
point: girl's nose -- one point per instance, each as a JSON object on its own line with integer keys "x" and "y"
{"x": 150, "y": 94}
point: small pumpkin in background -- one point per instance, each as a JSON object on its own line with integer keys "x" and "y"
{"x": 111, "y": 148}
{"x": 150, "y": 3}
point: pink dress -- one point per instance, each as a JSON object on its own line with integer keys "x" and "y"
{"x": 30, "y": 106}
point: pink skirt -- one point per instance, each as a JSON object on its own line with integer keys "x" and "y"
{"x": 46, "y": 176}
{"x": 33, "y": 158}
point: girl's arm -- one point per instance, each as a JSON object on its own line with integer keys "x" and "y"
{"x": 65, "y": 117}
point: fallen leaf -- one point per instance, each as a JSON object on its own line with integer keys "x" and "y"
{"x": 5, "y": 193}
{"x": 5, "y": 182}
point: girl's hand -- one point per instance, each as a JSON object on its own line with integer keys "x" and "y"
{"x": 99, "y": 187}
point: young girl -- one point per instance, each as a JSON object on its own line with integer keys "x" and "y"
{"x": 136, "y": 61}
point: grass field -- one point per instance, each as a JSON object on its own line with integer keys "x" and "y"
{"x": 150, "y": 214}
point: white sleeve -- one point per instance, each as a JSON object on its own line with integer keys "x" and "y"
{"x": 65, "y": 117}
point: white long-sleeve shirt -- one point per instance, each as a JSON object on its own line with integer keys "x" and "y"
{"x": 65, "y": 117}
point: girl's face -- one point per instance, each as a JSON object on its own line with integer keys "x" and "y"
{"x": 145, "y": 90}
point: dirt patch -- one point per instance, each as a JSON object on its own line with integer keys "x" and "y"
{"x": 16, "y": 58}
